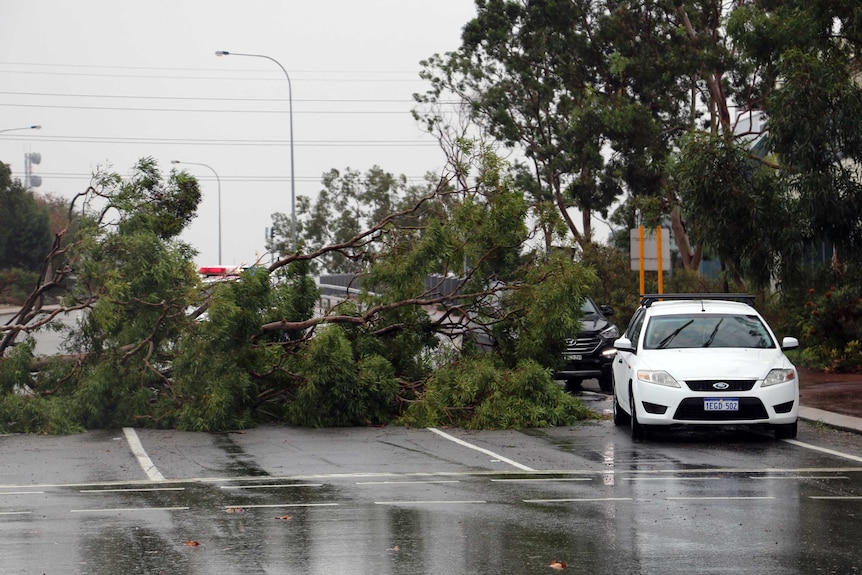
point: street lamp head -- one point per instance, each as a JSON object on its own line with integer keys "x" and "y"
{"x": 222, "y": 53}
{"x": 176, "y": 162}
{"x": 36, "y": 127}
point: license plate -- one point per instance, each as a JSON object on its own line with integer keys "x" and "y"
{"x": 574, "y": 356}
{"x": 721, "y": 404}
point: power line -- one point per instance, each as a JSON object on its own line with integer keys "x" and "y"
{"x": 224, "y": 142}
{"x": 184, "y": 110}
{"x": 221, "y": 78}
{"x": 213, "y": 99}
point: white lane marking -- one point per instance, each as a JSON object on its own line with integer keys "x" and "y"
{"x": 578, "y": 500}
{"x": 673, "y": 478}
{"x": 480, "y": 449}
{"x": 407, "y": 482}
{"x": 270, "y": 486}
{"x": 141, "y": 455}
{"x": 21, "y": 492}
{"x": 132, "y": 489}
{"x": 538, "y": 479}
{"x": 266, "y": 506}
{"x": 799, "y": 477}
{"x": 823, "y": 450}
{"x": 123, "y": 509}
{"x": 838, "y": 497}
{"x": 16, "y": 512}
{"x": 426, "y": 502}
{"x": 718, "y": 498}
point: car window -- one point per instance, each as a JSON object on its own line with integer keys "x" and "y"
{"x": 706, "y": 330}
{"x": 633, "y": 331}
{"x": 588, "y": 307}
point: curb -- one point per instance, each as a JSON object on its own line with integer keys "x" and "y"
{"x": 836, "y": 420}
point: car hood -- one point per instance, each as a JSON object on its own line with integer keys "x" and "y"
{"x": 593, "y": 324}
{"x": 715, "y": 363}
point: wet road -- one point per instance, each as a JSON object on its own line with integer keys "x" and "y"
{"x": 394, "y": 500}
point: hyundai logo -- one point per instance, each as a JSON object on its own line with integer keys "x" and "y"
{"x": 720, "y": 385}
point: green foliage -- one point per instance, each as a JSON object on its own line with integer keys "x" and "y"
{"x": 830, "y": 325}
{"x": 25, "y": 226}
{"x": 740, "y": 209}
{"x": 28, "y": 414}
{"x": 480, "y": 393}
{"x": 16, "y": 284}
{"x": 339, "y": 391}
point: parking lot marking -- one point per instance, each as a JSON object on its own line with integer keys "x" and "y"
{"x": 480, "y": 449}
{"x": 271, "y": 486}
{"x": 538, "y": 479}
{"x": 407, "y": 482}
{"x": 799, "y": 477}
{"x": 823, "y": 450}
{"x": 21, "y": 492}
{"x": 426, "y": 502}
{"x": 270, "y": 505}
{"x": 578, "y": 500}
{"x": 673, "y": 478}
{"x": 719, "y": 498}
{"x": 141, "y": 455}
{"x": 133, "y": 489}
{"x": 123, "y": 509}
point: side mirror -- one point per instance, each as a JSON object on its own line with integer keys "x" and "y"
{"x": 789, "y": 343}
{"x": 607, "y": 310}
{"x": 624, "y": 344}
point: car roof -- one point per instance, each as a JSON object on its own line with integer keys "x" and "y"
{"x": 700, "y": 306}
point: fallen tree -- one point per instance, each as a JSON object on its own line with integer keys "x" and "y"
{"x": 157, "y": 347}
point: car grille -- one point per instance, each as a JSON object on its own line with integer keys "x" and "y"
{"x": 584, "y": 345}
{"x": 691, "y": 409}
{"x": 707, "y": 385}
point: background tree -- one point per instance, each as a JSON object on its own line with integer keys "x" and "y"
{"x": 25, "y": 225}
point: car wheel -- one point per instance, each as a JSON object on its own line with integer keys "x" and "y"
{"x": 638, "y": 430}
{"x": 620, "y": 416}
{"x": 786, "y": 431}
{"x": 573, "y": 384}
{"x": 606, "y": 383}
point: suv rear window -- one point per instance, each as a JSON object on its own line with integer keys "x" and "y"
{"x": 706, "y": 330}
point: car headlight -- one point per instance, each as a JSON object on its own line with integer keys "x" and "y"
{"x": 610, "y": 332}
{"x": 778, "y": 376}
{"x": 658, "y": 378}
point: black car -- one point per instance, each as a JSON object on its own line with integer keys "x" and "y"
{"x": 590, "y": 354}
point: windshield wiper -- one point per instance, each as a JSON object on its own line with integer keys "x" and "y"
{"x": 708, "y": 342}
{"x": 663, "y": 343}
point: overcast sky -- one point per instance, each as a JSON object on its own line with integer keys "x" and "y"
{"x": 114, "y": 81}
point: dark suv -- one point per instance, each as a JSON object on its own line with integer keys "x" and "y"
{"x": 591, "y": 353}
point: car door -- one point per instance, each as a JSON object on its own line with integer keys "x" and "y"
{"x": 624, "y": 362}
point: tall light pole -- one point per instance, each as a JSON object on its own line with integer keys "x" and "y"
{"x": 290, "y": 102}
{"x": 218, "y": 181}
{"x": 24, "y": 128}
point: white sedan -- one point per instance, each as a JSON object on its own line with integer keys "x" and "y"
{"x": 701, "y": 359}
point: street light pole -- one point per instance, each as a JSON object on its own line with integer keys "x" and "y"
{"x": 37, "y": 127}
{"x": 290, "y": 102}
{"x": 218, "y": 181}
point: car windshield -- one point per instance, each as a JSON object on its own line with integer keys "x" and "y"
{"x": 588, "y": 307}
{"x": 706, "y": 330}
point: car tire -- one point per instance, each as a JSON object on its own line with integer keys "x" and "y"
{"x": 606, "y": 383}
{"x": 573, "y": 384}
{"x": 638, "y": 430}
{"x": 786, "y": 431}
{"x": 620, "y": 416}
